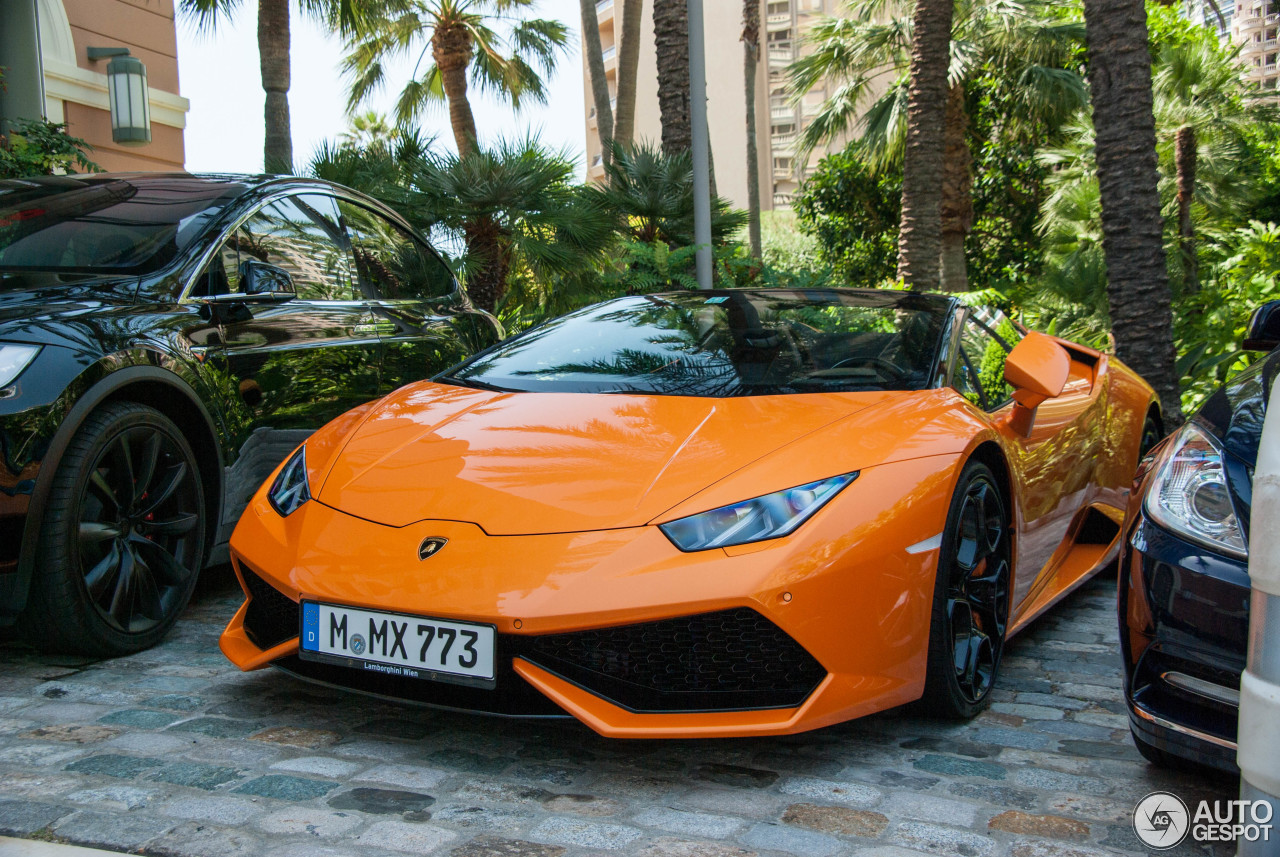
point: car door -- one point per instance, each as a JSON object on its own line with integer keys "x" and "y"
{"x": 423, "y": 317}
{"x": 288, "y": 366}
{"x": 1056, "y": 461}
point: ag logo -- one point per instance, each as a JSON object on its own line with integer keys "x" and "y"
{"x": 357, "y": 644}
{"x": 1161, "y": 820}
{"x": 430, "y": 547}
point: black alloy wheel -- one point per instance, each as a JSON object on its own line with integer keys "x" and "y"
{"x": 123, "y": 537}
{"x": 971, "y": 598}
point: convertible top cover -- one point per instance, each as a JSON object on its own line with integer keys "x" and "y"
{"x": 725, "y": 343}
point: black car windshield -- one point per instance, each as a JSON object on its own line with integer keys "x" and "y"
{"x": 105, "y": 225}
{"x": 722, "y": 344}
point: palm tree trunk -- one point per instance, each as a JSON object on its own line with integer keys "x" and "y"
{"x": 671, "y": 40}
{"x": 624, "y": 124}
{"x": 488, "y": 281}
{"x": 273, "y": 59}
{"x": 1119, "y": 70}
{"x": 595, "y": 73}
{"x": 451, "y": 48}
{"x": 1184, "y": 160}
{"x": 957, "y": 193}
{"x": 919, "y": 243}
{"x": 750, "y": 65}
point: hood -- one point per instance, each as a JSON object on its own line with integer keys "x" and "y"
{"x": 533, "y": 463}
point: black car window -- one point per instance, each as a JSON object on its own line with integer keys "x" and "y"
{"x": 390, "y": 262}
{"x": 739, "y": 343}
{"x": 301, "y": 235}
{"x": 985, "y": 342}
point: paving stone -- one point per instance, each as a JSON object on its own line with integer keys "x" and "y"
{"x": 930, "y": 808}
{"x": 503, "y": 793}
{"x": 1091, "y": 808}
{"x": 232, "y": 752}
{"x": 220, "y": 809}
{"x": 205, "y": 840}
{"x": 635, "y": 786}
{"x": 65, "y": 712}
{"x": 150, "y": 743}
{"x": 836, "y": 819}
{"x": 1072, "y": 729}
{"x": 835, "y": 792}
{"x": 381, "y": 801}
{"x": 114, "y": 765}
{"x": 752, "y": 803}
{"x": 285, "y": 787}
{"x": 471, "y": 763}
{"x": 39, "y": 755}
{"x": 1002, "y": 796}
{"x": 549, "y": 774}
{"x": 216, "y": 727}
{"x": 735, "y": 775}
{"x": 171, "y": 684}
{"x": 1100, "y": 750}
{"x": 138, "y": 717}
{"x": 1052, "y": 700}
{"x": 25, "y": 817}
{"x": 195, "y": 775}
{"x": 792, "y": 840}
{"x": 949, "y": 841}
{"x": 1028, "y": 712}
{"x": 561, "y": 830}
{"x": 175, "y": 702}
{"x": 960, "y": 767}
{"x": 1053, "y": 849}
{"x": 1059, "y": 782}
{"x": 586, "y": 805}
{"x": 689, "y": 823}
{"x": 959, "y": 748}
{"x": 111, "y": 830}
{"x": 496, "y": 846}
{"x": 115, "y": 797}
{"x": 308, "y": 820}
{"x": 494, "y": 819}
{"x": 389, "y": 727}
{"x": 896, "y": 779}
{"x": 405, "y": 836}
{"x": 406, "y": 776}
{"x": 889, "y": 851}
{"x": 294, "y": 736}
{"x": 1048, "y": 826}
{"x": 321, "y": 765}
{"x": 37, "y": 784}
{"x": 74, "y": 733}
{"x": 666, "y": 846}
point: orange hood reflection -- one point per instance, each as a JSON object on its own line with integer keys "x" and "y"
{"x": 527, "y": 463}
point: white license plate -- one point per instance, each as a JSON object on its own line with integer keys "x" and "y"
{"x": 398, "y": 644}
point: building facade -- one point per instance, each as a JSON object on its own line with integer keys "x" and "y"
{"x": 1254, "y": 27}
{"x": 44, "y": 50}
{"x": 779, "y": 121}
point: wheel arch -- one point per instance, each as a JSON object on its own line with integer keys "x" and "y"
{"x": 147, "y": 385}
{"x": 989, "y": 453}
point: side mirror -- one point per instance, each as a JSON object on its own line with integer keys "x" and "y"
{"x": 1263, "y": 333}
{"x": 1038, "y": 368}
{"x": 265, "y": 282}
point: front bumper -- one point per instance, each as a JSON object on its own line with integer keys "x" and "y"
{"x": 1184, "y": 621}
{"x": 827, "y": 624}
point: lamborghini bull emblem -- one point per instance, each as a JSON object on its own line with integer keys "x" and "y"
{"x": 430, "y": 547}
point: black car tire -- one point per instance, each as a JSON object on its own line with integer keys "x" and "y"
{"x": 123, "y": 536}
{"x": 970, "y": 599}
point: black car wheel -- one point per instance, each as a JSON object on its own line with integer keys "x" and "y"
{"x": 123, "y": 536}
{"x": 971, "y": 598}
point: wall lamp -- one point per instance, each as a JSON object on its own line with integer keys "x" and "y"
{"x": 128, "y": 95}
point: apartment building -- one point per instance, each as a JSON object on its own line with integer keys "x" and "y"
{"x": 778, "y": 120}
{"x": 44, "y": 48}
{"x": 1215, "y": 14}
{"x": 1255, "y": 25}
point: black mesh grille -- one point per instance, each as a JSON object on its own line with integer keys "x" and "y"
{"x": 271, "y": 617}
{"x": 734, "y": 659}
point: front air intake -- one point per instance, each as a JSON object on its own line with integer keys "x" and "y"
{"x": 271, "y": 617}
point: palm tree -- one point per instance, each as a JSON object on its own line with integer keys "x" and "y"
{"x": 461, "y": 38}
{"x": 273, "y": 58}
{"x": 595, "y": 74}
{"x": 671, "y": 39}
{"x": 1027, "y": 44}
{"x": 751, "y": 61}
{"x": 1138, "y": 294}
{"x": 624, "y": 124}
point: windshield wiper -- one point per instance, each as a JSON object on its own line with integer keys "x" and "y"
{"x": 474, "y": 384}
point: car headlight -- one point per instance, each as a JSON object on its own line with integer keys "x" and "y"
{"x": 767, "y": 517}
{"x": 13, "y": 359}
{"x": 290, "y": 490}
{"x": 1189, "y": 493}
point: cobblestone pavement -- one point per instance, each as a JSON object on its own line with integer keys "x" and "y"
{"x": 174, "y": 752}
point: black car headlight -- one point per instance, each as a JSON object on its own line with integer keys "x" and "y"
{"x": 14, "y": 358}
{"x": 290, "y": 490}
{"x": 768, "y": 517}
{"x": 1189, "y": 494}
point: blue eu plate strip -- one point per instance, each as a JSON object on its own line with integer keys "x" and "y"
{"x": 311, "y": 626}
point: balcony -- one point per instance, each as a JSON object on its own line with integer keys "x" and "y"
{"x": 604, "y": 8}
{"x": 780, "y": 57}
{"x": 782, "y": 114}
{"x": 609, "y": 53}
{"x": 777, "y": 23}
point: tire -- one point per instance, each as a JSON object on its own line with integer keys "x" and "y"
{"x": 971, "y": 598}
{"x": 116, "y": 563}
{"x": 1152, "y": 434}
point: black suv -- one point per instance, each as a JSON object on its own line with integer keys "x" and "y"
{"x": 165, "y": 342}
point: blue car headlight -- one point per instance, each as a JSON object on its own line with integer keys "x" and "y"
{"x": 290, "y": 490}
{"x": 768, "y": 517}
{"x": 1189, "y": 494}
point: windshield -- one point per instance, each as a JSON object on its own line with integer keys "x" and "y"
{"x": 105, "y": 225}
{"x": 724, "y": 344}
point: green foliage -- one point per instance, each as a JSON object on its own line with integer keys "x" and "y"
{"x": 36, "y": 147}
{"x": 852, "y": 212}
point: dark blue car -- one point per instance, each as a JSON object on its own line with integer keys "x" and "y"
{"x": 1184, "y": 570}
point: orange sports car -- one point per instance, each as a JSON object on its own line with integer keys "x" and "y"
{"x": 699, "y": 514}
